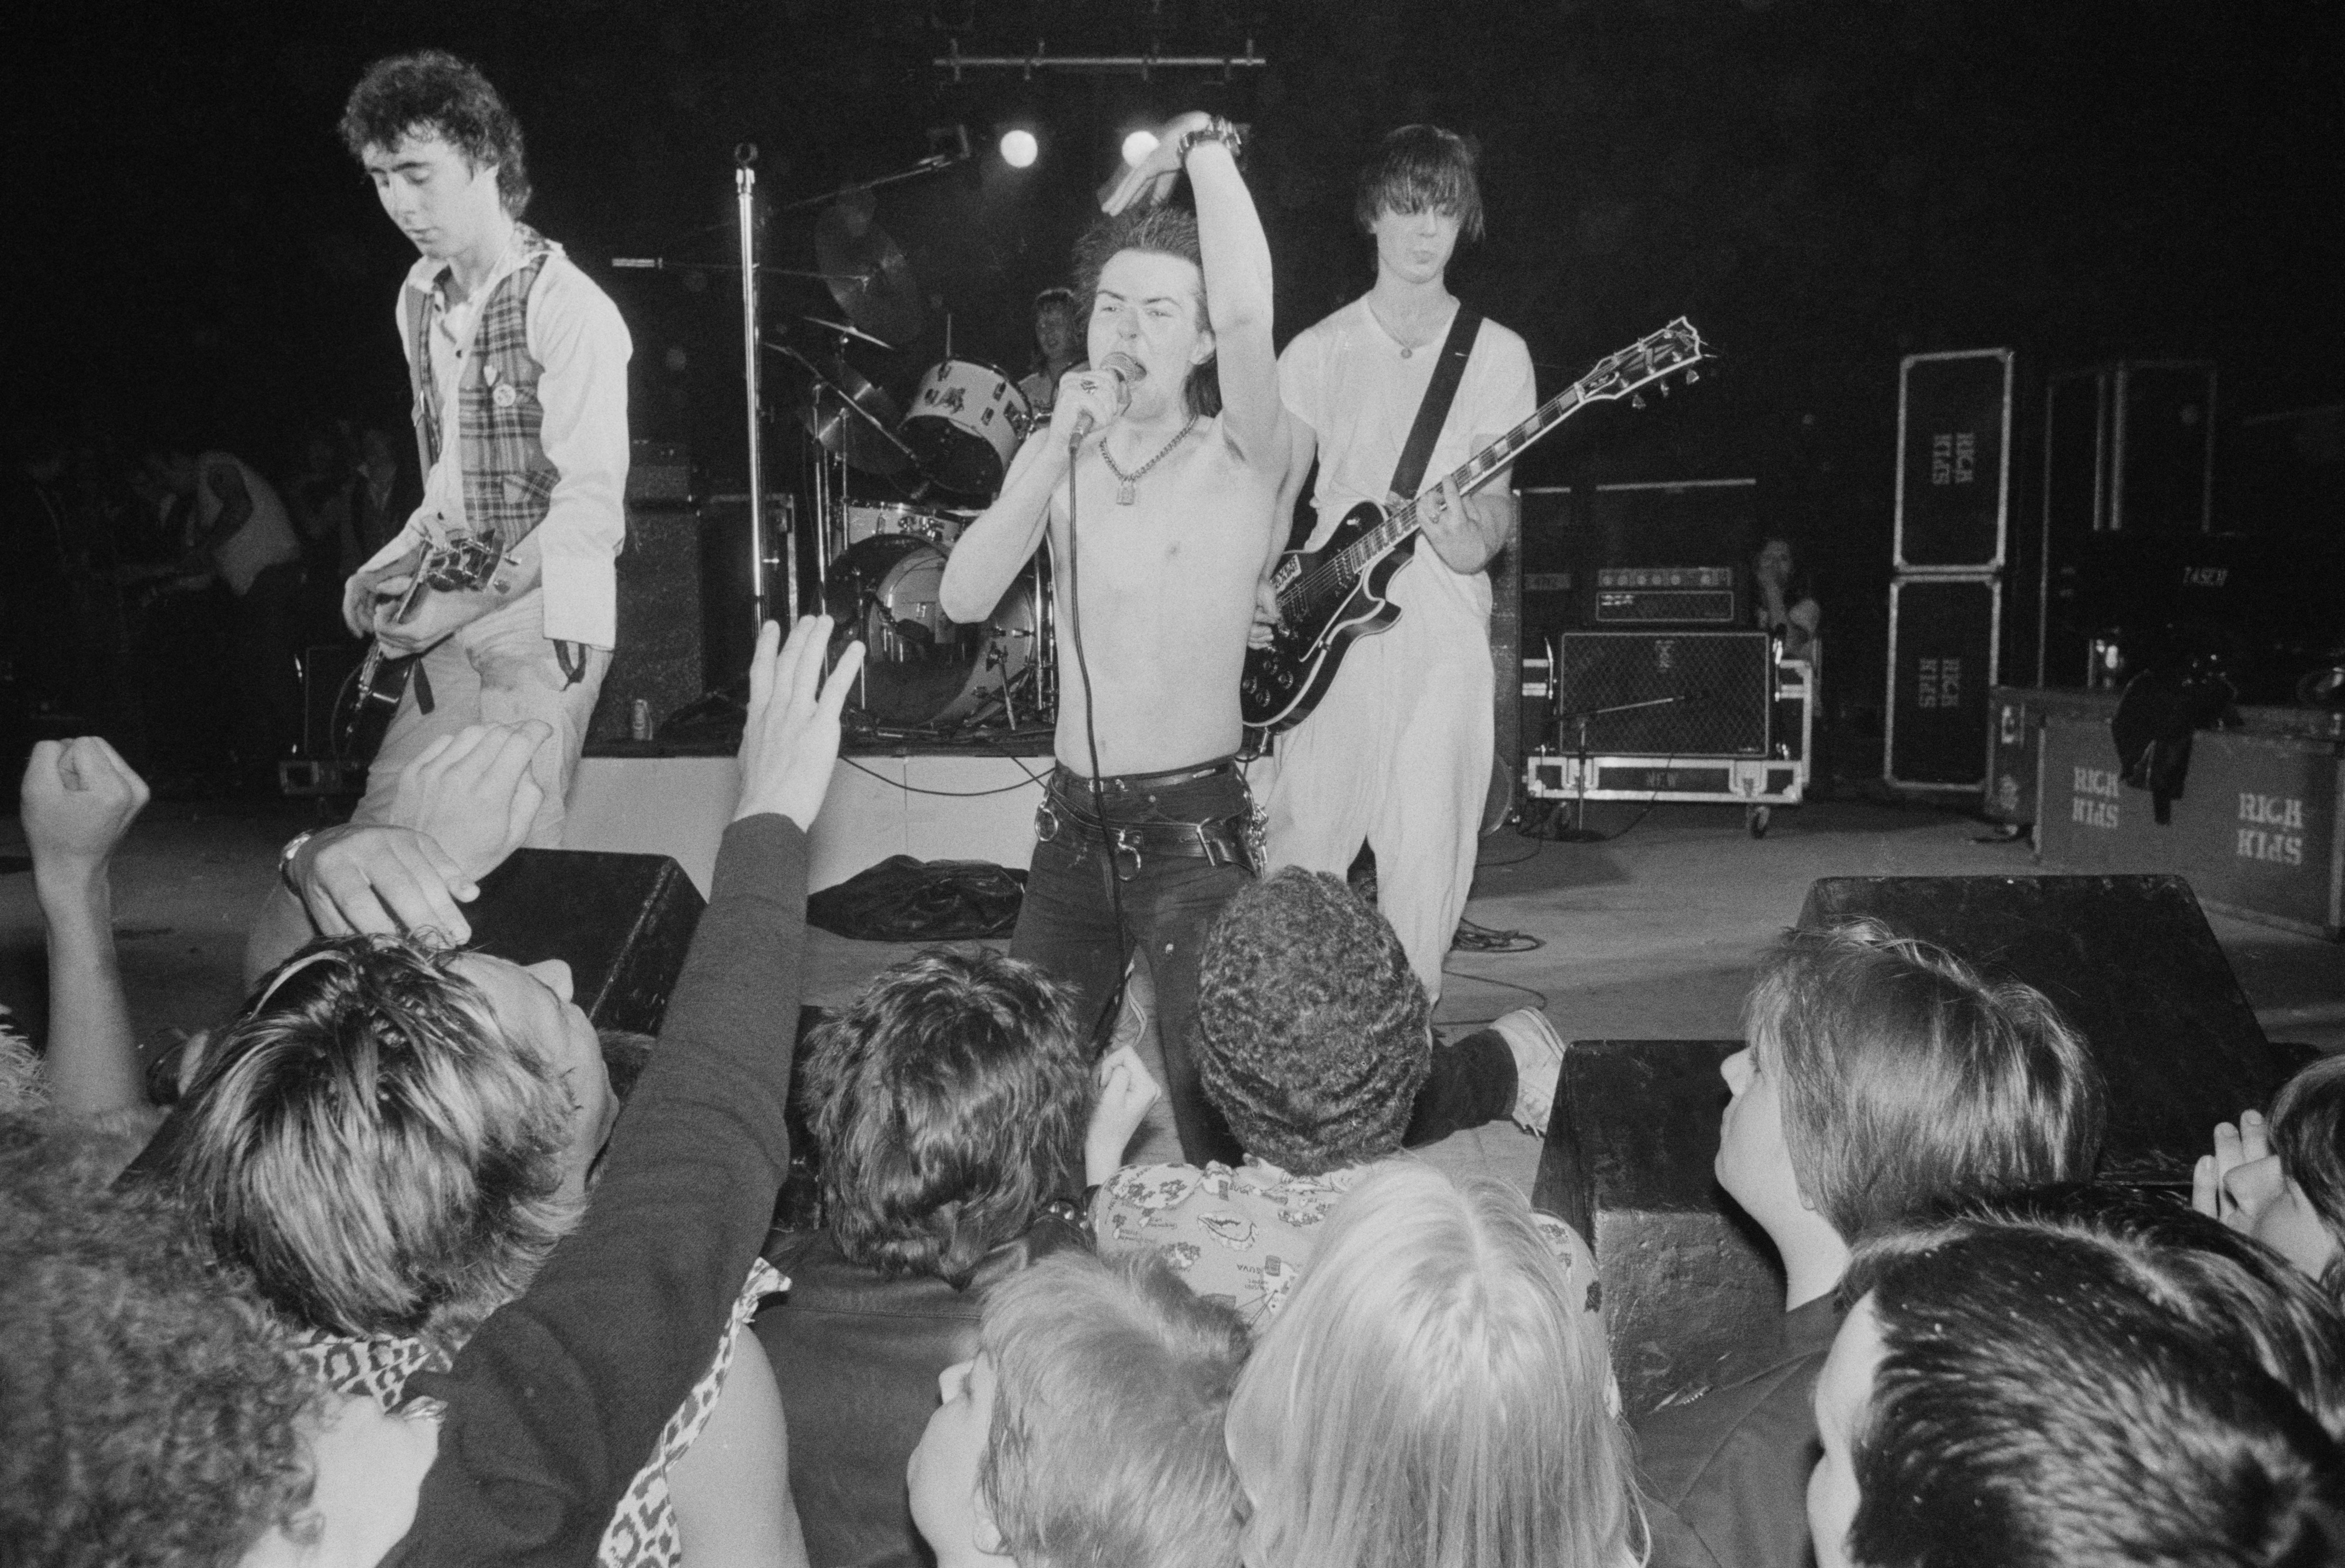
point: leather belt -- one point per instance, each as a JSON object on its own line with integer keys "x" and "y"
{"x": 1068, "y": 778}
{"x": 1216, "y": 840}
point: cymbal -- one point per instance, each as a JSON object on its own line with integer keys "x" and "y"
{"x": 844, "y": 331}
{"x": 853, "y": 419}
{"x": 867, "y": 274}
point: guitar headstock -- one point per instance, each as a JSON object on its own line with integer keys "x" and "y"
{"x": 1676, "y": 347}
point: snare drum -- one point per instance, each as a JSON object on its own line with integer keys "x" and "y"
{"x": 870, "y": 519}
{"x": 965, "y": 424}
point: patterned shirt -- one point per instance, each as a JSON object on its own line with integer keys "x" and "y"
{"x": 642, "y": 1530}
{"x": 1244, "y": 1236}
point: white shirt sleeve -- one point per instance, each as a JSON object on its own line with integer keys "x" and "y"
{"x": 576, "y": 334}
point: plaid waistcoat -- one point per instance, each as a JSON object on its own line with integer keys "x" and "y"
{"x": 508, "y": 483}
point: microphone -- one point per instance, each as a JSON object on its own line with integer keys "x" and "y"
{"x": 1126, "y": 371}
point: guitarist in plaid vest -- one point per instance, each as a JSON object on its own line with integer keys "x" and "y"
{"x": 518, "y": 364}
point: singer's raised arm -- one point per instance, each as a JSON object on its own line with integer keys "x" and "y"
{"x": 1238, "y": 304}
{"x": 986, "y": 558}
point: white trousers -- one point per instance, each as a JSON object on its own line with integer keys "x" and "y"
{"x": 1396, "y": 755}
{"x": 501, "y": 669}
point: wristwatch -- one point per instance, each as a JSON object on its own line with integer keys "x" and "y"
{"x": 286, "y": 857}
{"x": 1215, "y": 129}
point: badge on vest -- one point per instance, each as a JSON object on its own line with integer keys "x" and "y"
{"x": 504, "y": 396}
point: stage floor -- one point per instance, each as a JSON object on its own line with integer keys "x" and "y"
{"x": 1650, "y": 934}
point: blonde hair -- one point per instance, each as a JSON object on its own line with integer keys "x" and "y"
{"x": 1430, "y": 1399}
{"x": 1112, "y": 1382}
{"x": 371, "y": 1144}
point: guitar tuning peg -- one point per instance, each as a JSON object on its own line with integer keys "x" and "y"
{"x": 1664, "y": 384}
{"x": 1637, "y": 400}
{"x": 1692, "y": 375}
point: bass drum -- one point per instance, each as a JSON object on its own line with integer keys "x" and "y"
{"x": 998, "y": 686}
{"x": 964, "y": 425}
{"x": 920, "y": 669}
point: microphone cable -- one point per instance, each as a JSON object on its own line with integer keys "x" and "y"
{"x": 1103, "y": 1025}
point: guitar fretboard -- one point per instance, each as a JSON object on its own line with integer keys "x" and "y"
{"x": 1674, "y": 347}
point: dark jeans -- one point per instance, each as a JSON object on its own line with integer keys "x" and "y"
{"x": 1067, "y": 923}
{"x": 1472, "y": 1082}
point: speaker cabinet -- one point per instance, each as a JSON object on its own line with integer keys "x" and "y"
{"x": 1944, "y": 638}
{"x": 658, "y": 661}
{"x": 1506, "y": 569}
{"x": 1705, "y": 693}
{"x": 1953, "y": 467}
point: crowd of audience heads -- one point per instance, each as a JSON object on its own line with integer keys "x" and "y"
{"x": 395, "y": 1278}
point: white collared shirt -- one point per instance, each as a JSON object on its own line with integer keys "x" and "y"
{"x": 576, "y": 335}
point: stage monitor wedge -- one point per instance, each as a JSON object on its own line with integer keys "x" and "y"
{"x": 621, "y": 923}
{"x": 2132, "y": 964}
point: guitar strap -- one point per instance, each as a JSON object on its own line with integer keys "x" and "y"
{"x": 1455, "y": 350}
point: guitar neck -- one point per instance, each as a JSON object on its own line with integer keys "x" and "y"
{"x": 1473, "y": 473}
{"x": 1675, "y": 347}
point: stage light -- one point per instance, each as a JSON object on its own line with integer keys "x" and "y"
{"x": 1138, "y": 145}
{"x": 1019, "y": 147}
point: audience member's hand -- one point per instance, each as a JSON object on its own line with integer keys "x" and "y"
{"x": 2213, "y": 1190}
{"x": 79, "y": 798}
{"x": 1126, "y": 1090}
{"x": 472, "y": 793}
{"x": 381, "y": 881}
{"x": 791, "y": 740}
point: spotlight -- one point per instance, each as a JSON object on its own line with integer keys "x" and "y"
{"x": 1019, "y": 147}
{"x": 1138, "y": 145}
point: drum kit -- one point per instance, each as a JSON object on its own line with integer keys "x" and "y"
{"x": 894, "y": 490}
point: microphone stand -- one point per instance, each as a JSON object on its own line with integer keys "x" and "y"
{"x": 744, "y": 192}
{"x": 1578, "y": 833}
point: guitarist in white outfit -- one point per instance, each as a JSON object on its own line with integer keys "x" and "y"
{"x": 1398, "y": 752}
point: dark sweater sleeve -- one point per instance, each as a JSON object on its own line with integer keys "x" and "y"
{"x": 559, "y": 1398}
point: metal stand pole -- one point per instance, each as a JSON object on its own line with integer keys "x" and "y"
{"x": 745, "y": 191}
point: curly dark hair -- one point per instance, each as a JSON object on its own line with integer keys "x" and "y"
{"x": 1167, "y": 231}
{"x": 947, "y": 1103}
{"x": 148, "y": 1415}
{"x": 433, "y": 92}
{"x": 1313, "y": 1034}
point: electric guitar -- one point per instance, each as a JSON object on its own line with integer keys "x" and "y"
{"x": 372, "y": 695}
{"x": 1329, "y": 597}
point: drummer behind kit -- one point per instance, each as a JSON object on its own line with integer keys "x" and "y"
{"x": 884, "y": 559}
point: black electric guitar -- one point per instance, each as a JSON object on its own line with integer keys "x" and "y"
{"x": 372, "y": 695}
{"x": 1329, "y": 597}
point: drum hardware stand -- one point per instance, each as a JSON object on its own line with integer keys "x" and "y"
{"x": 1578, "y": 832}
{"x": 935, "y": 163}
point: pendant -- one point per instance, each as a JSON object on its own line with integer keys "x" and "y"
{"x": 1127, "y": 493}
{"x": 1406, "y": 352}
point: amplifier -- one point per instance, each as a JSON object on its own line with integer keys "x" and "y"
{"x": 1694, "y": 596}
{"x": 1695, "y": 693}
{"x": 659, "y": 472}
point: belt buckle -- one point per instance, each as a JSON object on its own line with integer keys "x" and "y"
{"x": 1123, "y": 842}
